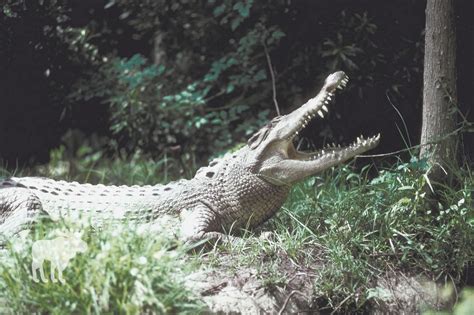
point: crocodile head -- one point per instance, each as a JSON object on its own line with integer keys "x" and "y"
{"x": 273, "y": 150}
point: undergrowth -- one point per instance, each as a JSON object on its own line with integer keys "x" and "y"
{"x": 359, "y": 225}
{"x": 122, "y": 271}
{"x": 367, "y": 224}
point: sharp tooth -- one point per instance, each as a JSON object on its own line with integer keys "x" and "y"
{"x": 325, "y": 108}
{"x": 322, "y": 151}
{"x": 320, "y": 113}
{"x": 326, "y": 102}
{"x": 329, "y": 97}
{"x": 296, "y": 133}
{"x": 309, "y": 117}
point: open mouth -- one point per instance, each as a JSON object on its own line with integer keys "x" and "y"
{"x": 318, "y": 107}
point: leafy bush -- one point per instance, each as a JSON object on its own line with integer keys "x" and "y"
{"x": 196, "y": 75}
{"x": 201, "y": 99}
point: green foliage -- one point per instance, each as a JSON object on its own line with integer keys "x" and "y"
{"x": 359, "y": 224}
{"x": 366, "y": 226}
{"x": 90, "y": 162}
{"x": 143, "y": 117}
{"x": 122, "y": 271}
{"x": 155, "y": 106}
{"x": 195, "y": 75}
{"x": 206, "y": 106}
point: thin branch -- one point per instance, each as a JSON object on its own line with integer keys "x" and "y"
{"x": 413, "y": 147}
{"x": 272, "y": 74}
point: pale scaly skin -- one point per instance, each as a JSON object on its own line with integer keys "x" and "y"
{"x": 241, "y": 190}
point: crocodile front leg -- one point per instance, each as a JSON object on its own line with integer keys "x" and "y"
{"x": 202, "y": 224}
{"x": 198, "y": 223}
{"x": 18, "y": 208}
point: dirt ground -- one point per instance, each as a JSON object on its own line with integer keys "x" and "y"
{"x": 245, "y": 290}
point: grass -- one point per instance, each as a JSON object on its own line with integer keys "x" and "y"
{"x": 363, "y": 226}
{"x": 122, "y": 271}
{"x": 359, "y": 225}
{"x": 369, "y": 225}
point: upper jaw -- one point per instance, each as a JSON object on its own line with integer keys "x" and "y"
{"x": 318, "y": 106}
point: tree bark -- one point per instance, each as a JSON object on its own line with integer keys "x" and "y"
{"x": 438, "y": 144}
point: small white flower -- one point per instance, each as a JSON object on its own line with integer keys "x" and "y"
{"x": 142, "y": 260}
{"x": 134, "y": 271}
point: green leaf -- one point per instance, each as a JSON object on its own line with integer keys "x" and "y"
{"x": 278, "y": 34}
{"x": 260, "y": 75}
{"x": 235, "y": 23}
{"x": 243, "y": 9}
{"x": 230, "y": 88}
{"x": 219, "y": 10}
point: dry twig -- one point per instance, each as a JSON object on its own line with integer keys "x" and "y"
{"x": 272, "y": 74}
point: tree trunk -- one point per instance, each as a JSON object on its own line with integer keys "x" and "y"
{"x": 439, "y": 90}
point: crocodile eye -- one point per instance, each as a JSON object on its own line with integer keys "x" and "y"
{"x": 210, "y": 174}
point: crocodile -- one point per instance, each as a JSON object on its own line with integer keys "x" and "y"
{"x": 240, "y": 190}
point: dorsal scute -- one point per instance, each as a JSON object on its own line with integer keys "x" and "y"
{"x": 65, "y": 188}
{"x": 214, "y": 167}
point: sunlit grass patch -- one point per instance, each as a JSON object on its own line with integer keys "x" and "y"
{"x": 122, "y": 271}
